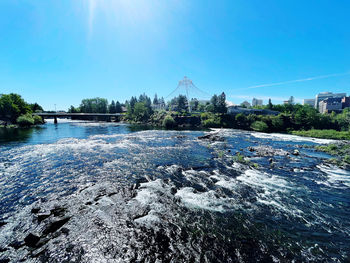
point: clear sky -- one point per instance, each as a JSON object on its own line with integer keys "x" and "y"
{"x": 59, "y": 52}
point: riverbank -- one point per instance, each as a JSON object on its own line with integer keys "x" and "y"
{"x": 324, "y": 134}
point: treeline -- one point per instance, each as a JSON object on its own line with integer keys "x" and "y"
{"x": 290, "y": 118}
{"x": 15, "y": 110}
{"x": 97, "y": 105}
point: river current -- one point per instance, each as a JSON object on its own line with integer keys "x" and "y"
{"x": 103, "y": 192}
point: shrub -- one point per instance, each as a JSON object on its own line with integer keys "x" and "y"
{"x": 212, "y": 123}
{"x": 259, "y": 126}
{"x": 347, "y": 159}
{"x": 25, "y": 120}
{"x": 38, "y": 119}
{"x": 169, "y": 122}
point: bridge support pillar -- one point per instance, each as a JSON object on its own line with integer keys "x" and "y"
{"x": 55, "y": 120}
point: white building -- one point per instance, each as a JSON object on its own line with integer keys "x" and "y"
{"x": 257, "y": 102}
{"x": 325, "y": 95}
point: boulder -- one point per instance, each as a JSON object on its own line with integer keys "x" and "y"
{"x": 31, "y": 240}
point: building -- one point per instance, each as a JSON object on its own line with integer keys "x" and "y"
{"x": 330, "y": 104}
{"x": 257, "y": 102}
{"x": 325, "y": 95}
{"x": 310, "y": 102}
{"x": 245, "y": 104}
{"x": 345, "y": 102}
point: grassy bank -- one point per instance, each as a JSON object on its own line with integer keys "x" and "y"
{"x": 324, "y": 134}
{"x": 341, "y": 152}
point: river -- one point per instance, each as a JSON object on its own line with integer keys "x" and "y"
{"x": 104, "y": 192}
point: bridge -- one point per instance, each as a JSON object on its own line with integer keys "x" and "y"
{"x": 80, "y": 116}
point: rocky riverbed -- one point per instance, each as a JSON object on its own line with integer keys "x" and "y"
{"x": 172, "y": 196}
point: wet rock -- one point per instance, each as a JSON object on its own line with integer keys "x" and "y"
{"x": 35, "y": 210}
{"x": 65, "y": 230}
{"x": 2, "y": 223}
{"x": 173, "y": 190}
{"x": 54, "y": 226}
{"x": 4, "y": 260}
{"x": 31, "y": 240}
{"x": 296, "y": 152}
{"x": 16, "y": 244}
{"x": 264, "y": 150}
{"x": 58, "y": 211}
{"x": 270, "y": 160}
{"x": 212, "y": 137}
{"x": 43, "y": 216}
{"x": 88, "y": 203}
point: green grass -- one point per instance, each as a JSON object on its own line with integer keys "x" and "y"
{"x": 324, "y": 134}
{"x": 340, "y": 151}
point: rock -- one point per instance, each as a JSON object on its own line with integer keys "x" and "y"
{"x": 270, "y": 160}
{"x": 43, "y": 216}
{"x": 4, "y": 260}
{"x": 58, "y": 211}
{"x": 212, "y": 137}
{"x": 54, "y": 226}
{"x": 31, "y": 240}
{"x": 2, "y": 223}
{"x": 65, "y": 230}
{"x": 35, "y": 210}
{"x": 264, "y": 150}
{"x": 296, "y": 152}
{"x": 16, "y": 244}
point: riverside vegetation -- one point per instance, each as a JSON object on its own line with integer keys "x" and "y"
{"x": 14, "y": 110}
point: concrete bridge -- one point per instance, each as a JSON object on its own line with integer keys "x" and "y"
{"x": 81, "y": 116}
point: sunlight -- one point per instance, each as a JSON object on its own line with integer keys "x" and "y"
{"x": 122, "y": 12}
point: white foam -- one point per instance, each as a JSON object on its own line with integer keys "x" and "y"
{"x": 203, "y": 200}
{"x": 336, "y": 176}
{"x": 289, "y": 137}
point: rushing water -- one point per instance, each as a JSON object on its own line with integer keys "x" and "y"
{"x": 92, "y": 192}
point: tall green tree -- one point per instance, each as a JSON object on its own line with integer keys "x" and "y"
{"x": 118, "y": 107}
{"x": 221, "y": 103}
{"x": 95, "y": 105}
{"x": 111, "y": 107}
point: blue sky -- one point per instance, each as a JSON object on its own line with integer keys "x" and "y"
{"x": 59, "y": 52}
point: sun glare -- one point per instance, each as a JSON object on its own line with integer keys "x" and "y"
{"x": 122, "y": 12}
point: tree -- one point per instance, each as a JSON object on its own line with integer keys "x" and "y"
{"x": 155, "y": 100}
{"x": 270, "y": 105}
{"x": 95, "y": 105}
{"x": 35, "y": 107}
{"x": 182, "y": 103}
{"x": 111, "y": 107}
{"x": 194, "y": 104}
{"x": 221, "y": 103}
{"x": 118, "y": 107}
{"x": 12, "y": 106}
{"x": 73, "y": 110}
{"x": 141, "y": 112}
{"x": 214, "y": 102}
